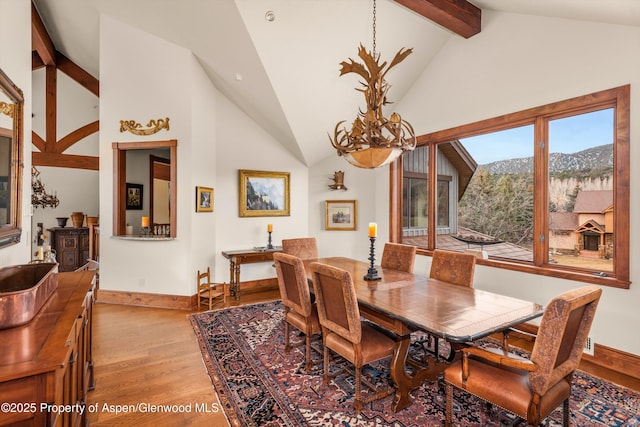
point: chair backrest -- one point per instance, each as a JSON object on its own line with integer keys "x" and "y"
{"x": 561, "y": 336}
{"x": 303, "y": 248}
{"x": 204, "y": 279}
{"x": 453, "y": 267}
{"x": 398, "y": 256}
{"x": 337, "y": 302}
{"x": 293, "y": 284}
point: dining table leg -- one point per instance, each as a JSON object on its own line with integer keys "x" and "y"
{"x": 428, "y": 370}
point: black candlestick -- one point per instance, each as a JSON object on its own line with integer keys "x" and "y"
{"x": 269, "y": 245}
{"x": 372, "y": 273}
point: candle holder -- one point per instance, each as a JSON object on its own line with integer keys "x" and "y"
{"x": 145, "y": 231}
{"x": 372, "y": 273}
{"x": 269, "y": 245}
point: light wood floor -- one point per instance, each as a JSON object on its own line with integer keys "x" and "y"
{"x": 150, "y": 356}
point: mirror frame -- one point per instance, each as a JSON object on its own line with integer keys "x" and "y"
{"x": 120, "y": 181}
{"x": 11, "y": 232}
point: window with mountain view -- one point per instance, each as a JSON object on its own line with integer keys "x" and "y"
{"x": 544, "y": 190}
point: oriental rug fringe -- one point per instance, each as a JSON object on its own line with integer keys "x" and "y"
{"x": 260, "y": 385}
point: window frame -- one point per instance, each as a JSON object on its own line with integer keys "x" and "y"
{"x": 617, "y": 98}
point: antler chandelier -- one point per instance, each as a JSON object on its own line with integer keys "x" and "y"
{"x": 39, "y": 197}
{"x": 373, "y": 140}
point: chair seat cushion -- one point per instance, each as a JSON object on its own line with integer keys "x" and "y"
{"x": 298, "y": 321}
{"x": 375, "y": 345}
{"x": 505, "y": 387}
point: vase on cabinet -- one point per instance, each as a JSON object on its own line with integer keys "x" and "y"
{"x": 77, "y": 218}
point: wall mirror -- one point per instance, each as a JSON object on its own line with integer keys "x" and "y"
{"x": 11, "y": 162}
{"x": 150, "y": 167}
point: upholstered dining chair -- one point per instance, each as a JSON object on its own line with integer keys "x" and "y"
{"x": 530, "y": 388}
{"x": 453, "y": 267}
{"x": 345, "y": 333}
{"x": 300, "y": 312}
{"x": 398, "y": 256}
{"x": 209, "y": 292}
{"x": 303, "y": 248}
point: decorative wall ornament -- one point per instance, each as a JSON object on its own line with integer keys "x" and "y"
{"x": 153, "y": 126}
{"x": 338, "y": 181}
{"x": 6, "y": 108}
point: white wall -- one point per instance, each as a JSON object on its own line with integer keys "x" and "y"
{"x": 15, "y": 61}
{"x": 202, "y": 163}
{"x": 242, "y": 144}
{"x": 366, "y": 187}
{"x": 144, "y": 78}
{"x": 518, "y": 62}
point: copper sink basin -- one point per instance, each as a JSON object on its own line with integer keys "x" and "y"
{"x": 23, "y": 291}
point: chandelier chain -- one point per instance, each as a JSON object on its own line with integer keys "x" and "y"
{"x": 374, "y": 29}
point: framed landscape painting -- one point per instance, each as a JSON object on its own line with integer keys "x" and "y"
{"x": 341, "y": 215}
{"x": 264, "y": 193}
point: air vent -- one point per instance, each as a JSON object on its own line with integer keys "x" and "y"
{"x": 588, "y": 346}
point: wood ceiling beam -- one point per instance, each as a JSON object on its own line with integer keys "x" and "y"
{"x": 78, "y": 74}
{"x": 40, "y": 40}
{"x": 459, "y": 16}
{"x": 65, "y": 161}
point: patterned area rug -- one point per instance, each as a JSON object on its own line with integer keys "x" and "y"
{"x": 259, "y": 385}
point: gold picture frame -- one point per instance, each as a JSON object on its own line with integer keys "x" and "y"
{"x": 264, "y": 193}
{"x": 341, "y": 215}
{"x": 204, "y": 199}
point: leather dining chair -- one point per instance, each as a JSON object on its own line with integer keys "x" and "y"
{"x": 453, "y": 267}
{"x": 299, "y": 310}
{"x": 530, "y": 388}
{"x": 345, "y": 333}
{"x": 303, "y": 247}
{"x": 209, "y": 292}
{"x": 398, "y": 256}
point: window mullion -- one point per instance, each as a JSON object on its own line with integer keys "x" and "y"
{"x": 541, "y": 191}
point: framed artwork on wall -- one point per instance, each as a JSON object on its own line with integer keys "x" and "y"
{"x": 134, "y": 196}
{"x": 264, "y": 193}
{"x": 341, "y": 215}
{"x": 204, "y": 199}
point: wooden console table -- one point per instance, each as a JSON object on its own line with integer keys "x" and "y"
{"x": 245, "y": 256}
{"x": 47, "y": 362}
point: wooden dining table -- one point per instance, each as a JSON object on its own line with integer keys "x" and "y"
{"x": 403, "y": 303}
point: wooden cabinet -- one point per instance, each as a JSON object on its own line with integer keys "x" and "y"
{"x": 47, "y": 363}
{"x": 71, "y": 245}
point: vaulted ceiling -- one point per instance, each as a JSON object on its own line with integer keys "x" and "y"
{"x": 284, "y": 72}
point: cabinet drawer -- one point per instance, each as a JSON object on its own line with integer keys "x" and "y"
{"x": 247, "y": 259}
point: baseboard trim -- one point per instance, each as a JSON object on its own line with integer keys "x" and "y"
{"x": 177, "y": 302}
{"x": 606, "y": 357}
{"x": 614, "y": 359}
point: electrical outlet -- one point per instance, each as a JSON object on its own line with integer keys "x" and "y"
{"x": 142, "y": 283}
{"x": 588, "y": 346}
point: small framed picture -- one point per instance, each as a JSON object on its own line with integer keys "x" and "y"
{"x": 204, "y": 199}
{"x": 134, "y": 196}
{"x": 341, "y": 215}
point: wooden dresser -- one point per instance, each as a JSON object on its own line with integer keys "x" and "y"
{"x": 48, "y": 361}
{"x": 71, "y": 245}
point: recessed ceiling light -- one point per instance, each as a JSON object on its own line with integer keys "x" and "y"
{"x": 270, "y": 16}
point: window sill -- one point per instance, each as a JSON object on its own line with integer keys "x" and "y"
{"x": 144, "y": 238}
{"x": 551, "y": 271}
